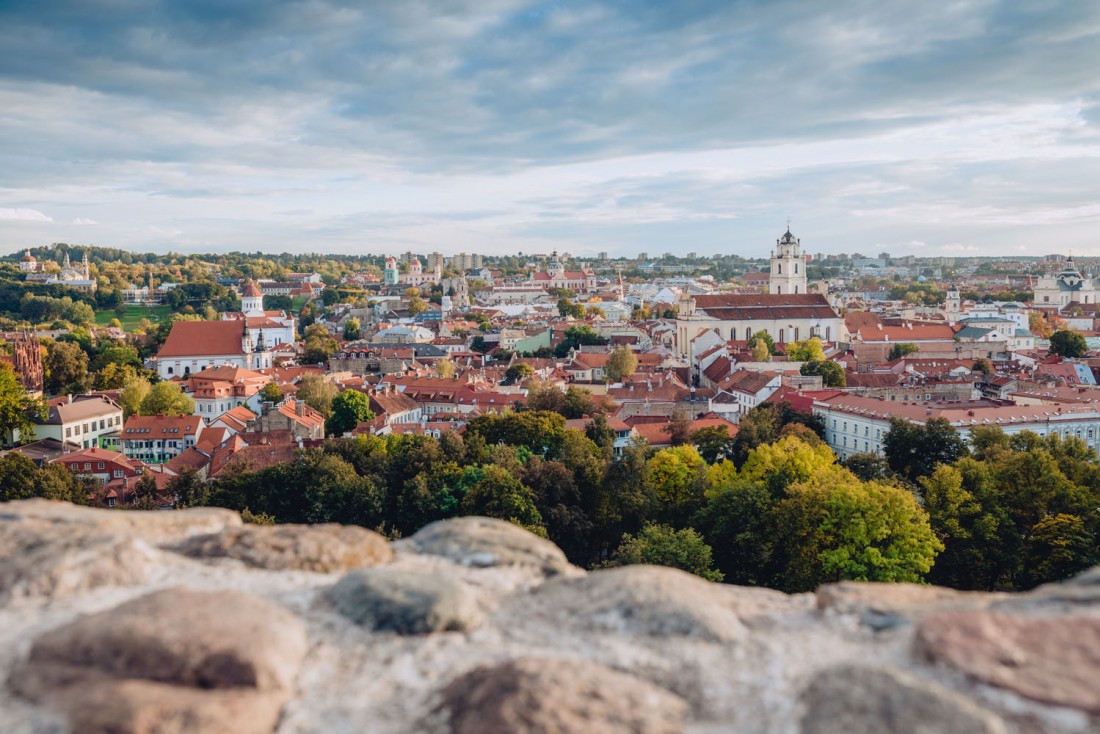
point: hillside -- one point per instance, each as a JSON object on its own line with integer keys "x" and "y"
{"x": 191, "y": 621}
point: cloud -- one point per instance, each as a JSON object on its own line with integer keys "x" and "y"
{"x": 83, "y": 221}
{"x": 594, "y": 125}
{"x": 23, "y": 215}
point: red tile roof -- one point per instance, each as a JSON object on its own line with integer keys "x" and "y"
{"x": 202, "y": 338}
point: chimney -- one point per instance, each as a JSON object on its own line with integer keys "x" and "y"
{"x": 70, "y": 398}
{"x": 300, "y": 407}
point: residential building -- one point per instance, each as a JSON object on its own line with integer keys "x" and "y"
{"x": 83, "y": 420}
{"x": 155, "y": 439}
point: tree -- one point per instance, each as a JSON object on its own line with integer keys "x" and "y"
{"x": 539, "y": 431}
{"x": 901, "y": 349}
{"x": 760, "y": 351}
{"x": 568, "y": 308}
{"x": 678, "y": 475}
{"x": 913, "y": 450}
{"x": 134, "y": 391}
{"x": 66, "y": 367}
{"x": 620, "y": 364}
{"x": 983, "y": 366}
{"x": 501, "y": 495}
{"x": 1039, "y": 325}
{"x": 271, "y": 393}
{"x": 519, "y": 371}
{"x": 832, "y": 374}
{"x": 167, "y": 398}
{"x": 807, "y": 350}
{"x": 445, "y": 368}
{"x": 21, "y": 479}
{"x": 352, "y": 328}
{"x": 714, "y": 443}
{"x": 17, "y": 409}
{"x": 663, "y": 545}
{"x": 349, "y": 409}
{"x": 679, "y": 428}
{"x": 765, "y": 337}
{"x": 1068, "y": 343}
{"x": 317, "y": 393}
{"x": 319, "y": 345}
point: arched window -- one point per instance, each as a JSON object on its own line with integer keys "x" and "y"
{"x": 782, "y": 335}
{"x": 748, "y": 333}
{"x": 796, "y": 268}
{"x": 796, "y": 290}
{"x": 779, "y": 268}
{"x": 828, "y": 330}
{"x": 779, "y": 289}
{"x": 796, "y": 333}
{"x": 169, "y": 370}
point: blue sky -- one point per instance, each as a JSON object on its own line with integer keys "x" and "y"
{"x": 500, "y": 126}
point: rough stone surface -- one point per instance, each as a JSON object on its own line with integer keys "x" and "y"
{"x": 389, "y": 600}
{"x": 483, "y": 542}
{"x": 175, "y": 660}
{"x": 544, "y": 696}
{"x": 862, "y": 700}
{"x": 1050, "y": 659}
{"x": 319, "y": 548}
{"x": 648, "y": 600}
{"x": 97, "y": 636}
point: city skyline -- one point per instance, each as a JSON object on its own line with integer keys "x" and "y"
{"x": 507, "y": 126}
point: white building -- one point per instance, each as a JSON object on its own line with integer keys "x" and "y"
{"x": 1069, "y": 285}
{"x": 733, "y": 316}
{"x": 193, "y": 346}
{"x": 854, "y": 423}
{"x": 81, "y": 420}
{"x": 788, "y": 273}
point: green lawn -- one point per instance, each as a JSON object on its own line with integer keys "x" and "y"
{"x": 133, "y": 316}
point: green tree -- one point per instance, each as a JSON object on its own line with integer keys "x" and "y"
{"x": 540, "y": 432}
{"x": 134, "y": 391}
{"x": 167, "y": 398}
{"x": 319, "y": 345}
{"x": 66, "y": 367}
{"x": 663, "y": 545}
{"x": 17, "y": 409}
{"x": 317, "y": 393}
{"x": 902, "y": 349}
{"x": 21, "y": 479}
{"x": 714, "y": 443}
{"x": 913, "y": 450}
{"x": 620, "y": 364}
{"x": 519, "y": 371}
{"x": 349, "y": 409}
{"x": 832, "y": 374}
{"x": 352, "y": 328}
{"x": 760, "y": 351}
{"x": 679, "y": 481}
{"x": 499, "y": 494}
{"x": 1068, "y": 343}
{"x": 271, "y": 393}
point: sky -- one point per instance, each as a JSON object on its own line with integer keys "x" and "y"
{"x": 506, "y": 126}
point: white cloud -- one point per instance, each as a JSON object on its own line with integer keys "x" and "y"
{"x": 23, "y": 215}
{"x": 82, "y": 221}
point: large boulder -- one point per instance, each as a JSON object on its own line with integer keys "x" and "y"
{"x": 862, "y": 700}
{"x": 405, "y": 602}
{"x": 542, "y": 696}
{"x": 1053, "y": 659}
{"x": 646, "y": 600}
{"x": 319, "y": 548}
{"x": 176, "y": 660}
{"x": 483, "y": 542}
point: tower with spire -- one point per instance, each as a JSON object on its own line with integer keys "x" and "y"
{"x": 788, "y": 272}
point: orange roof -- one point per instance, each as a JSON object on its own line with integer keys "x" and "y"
{"x": 251, "y": 290}
{"x": 203, "y": 338}
{"x": 161, "y": 426}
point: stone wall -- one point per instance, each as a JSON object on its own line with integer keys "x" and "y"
{"x": 114, "y": 621}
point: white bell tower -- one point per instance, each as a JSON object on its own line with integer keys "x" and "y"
{"x": 788, "y": 275}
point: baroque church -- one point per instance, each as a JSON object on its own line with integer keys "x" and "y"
{"x": 788, "y": 312}
{"x": 1057, "y": 291}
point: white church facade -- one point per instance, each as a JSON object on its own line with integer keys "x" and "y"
{"x": 1056, "y": 291}
{"x": 787, "y": 313}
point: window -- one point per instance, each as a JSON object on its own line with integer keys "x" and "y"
{"x": 866, "y": 430}
{"x": 87, "y": 466}
{"x": 102, "y": 425}
{"x": 68, "y": 432}
{"x": 834, "y": 424}
{"x": 779, "y": 268}
{"x": 845, "y": 426}
{"x": 100, "y": 467}
{"x": 118, "y": 473}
